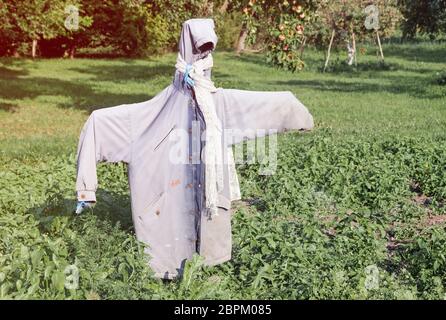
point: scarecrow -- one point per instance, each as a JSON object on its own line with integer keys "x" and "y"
{"x": 180, "y": 164}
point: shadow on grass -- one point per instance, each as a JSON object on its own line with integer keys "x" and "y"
{"x": 418, "y": 52}
{"x": 258, "y": 59}
{"x": 126, "y": 72}
{"x": 111, "y": 207}
{"x": 6, "y": 76}
{"x": 9, "y": 107}
{"x": 7, "y": 73}
{"x": 396, "y": 85}
{"x": 82, "y": 95}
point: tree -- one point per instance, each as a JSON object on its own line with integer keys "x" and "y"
{"x": 341, "y": 23}
{"x": 348, "y": 17}
{"x": 425, "y": 16}
{"x": 282, "y": 23}
{"x": 9, "y": 34}
{"x": 76, "y": 32}
{"x": 33, "y": 20}
{"x": 152, "y": 26}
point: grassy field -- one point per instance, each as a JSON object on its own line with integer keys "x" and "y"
{"x": 355, "y": 210}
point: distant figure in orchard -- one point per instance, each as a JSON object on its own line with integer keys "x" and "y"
{"x": 178, "y": 150}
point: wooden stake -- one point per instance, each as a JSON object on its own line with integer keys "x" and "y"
{"x": 302, "y": 47}
{"x": 329, "y": 49}
{"x": 354, "y": 48}
{"x": 352, "y": 30}
{"x": 379, "y": 44}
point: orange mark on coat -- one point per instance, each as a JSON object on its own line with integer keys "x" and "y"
{"x": 174, "y": 183}
{"x": 189, "y": 185}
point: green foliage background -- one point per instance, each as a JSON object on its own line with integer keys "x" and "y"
{"x": 142, "y": 28}
{"x": 425, "y": 16}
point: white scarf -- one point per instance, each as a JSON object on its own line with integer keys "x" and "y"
{"x": 213, "y": 156}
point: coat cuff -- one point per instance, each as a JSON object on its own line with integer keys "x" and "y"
{"x": 84, "y": 195}
{"x": 224, "y": 202}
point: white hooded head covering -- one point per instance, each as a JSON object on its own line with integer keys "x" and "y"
{"x": 197, "y": 39}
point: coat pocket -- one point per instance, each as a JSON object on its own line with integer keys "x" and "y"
{"x": 150, "y": 215}
{"x": 153, "y": 206}
{"x": 164, "y": 138}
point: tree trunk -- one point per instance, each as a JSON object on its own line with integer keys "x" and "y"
{"x": 241, "y": 39}
{"x": 34, "y": 48}
{"x": 224, "y": 7}
{"x": 72, "y": 51}
{"x": 208, "y": 8}
{"x": 15, "y": 53}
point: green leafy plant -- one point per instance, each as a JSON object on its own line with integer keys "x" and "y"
{"x": 441, "y": 78}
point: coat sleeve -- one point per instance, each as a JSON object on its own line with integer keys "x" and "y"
{"x": 105, "y": 137}
{"x": 250, "y": 114}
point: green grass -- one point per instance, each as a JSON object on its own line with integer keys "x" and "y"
{"x": 364, "y": 191}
